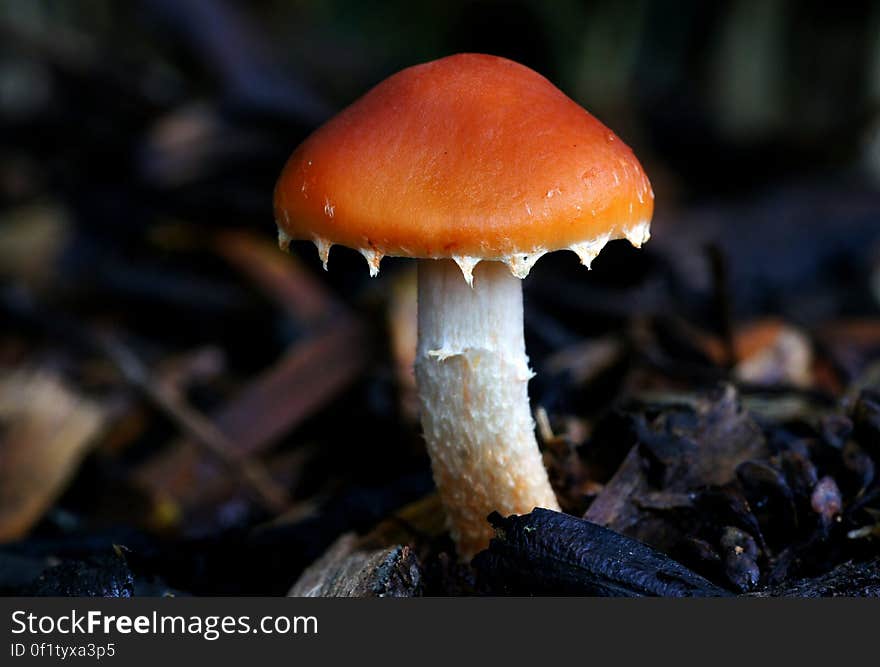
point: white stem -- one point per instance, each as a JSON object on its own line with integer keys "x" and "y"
{"x": 472, "y": 374}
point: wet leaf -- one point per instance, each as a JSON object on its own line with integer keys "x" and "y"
{"x": 550, "y": 553}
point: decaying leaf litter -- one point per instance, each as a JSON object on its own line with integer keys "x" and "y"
{"x": 196, "y": 413}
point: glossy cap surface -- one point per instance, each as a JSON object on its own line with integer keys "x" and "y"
{"x": 470, "y": 157}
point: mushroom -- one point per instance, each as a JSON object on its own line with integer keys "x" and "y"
{"x": 477, "y": 166}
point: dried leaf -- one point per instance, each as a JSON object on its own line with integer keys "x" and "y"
{"x": 47, "y": 430}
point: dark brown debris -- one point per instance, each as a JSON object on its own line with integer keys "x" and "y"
{"x": 849, "y": 580}
{"x": 549, "y": 553}
{"x": 680, "y": 450}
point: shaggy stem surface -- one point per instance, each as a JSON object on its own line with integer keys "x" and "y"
{"x": 472, "y": 373}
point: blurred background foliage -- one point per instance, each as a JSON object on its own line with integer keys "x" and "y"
{"x": 188, "y": 109}
{"x": 730, "y": 94}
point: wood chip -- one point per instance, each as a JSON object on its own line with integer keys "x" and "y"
{"x": 347, "y": 570}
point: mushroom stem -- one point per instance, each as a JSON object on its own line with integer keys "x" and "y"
{"x": 472, "y": 373}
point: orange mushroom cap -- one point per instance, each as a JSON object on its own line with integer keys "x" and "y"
{"x": 469, "y": 157}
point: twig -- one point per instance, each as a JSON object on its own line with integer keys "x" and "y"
{"x": 205, "y": 434}
{"x": 197, "y": 426}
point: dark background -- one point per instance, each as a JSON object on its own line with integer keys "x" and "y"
{"x": 140, "y": 145}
